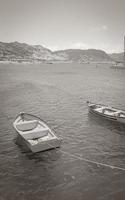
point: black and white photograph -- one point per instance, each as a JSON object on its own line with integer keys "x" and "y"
{"x": 62, "y": 99}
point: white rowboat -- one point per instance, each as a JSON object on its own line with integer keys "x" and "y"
{"x": 107, "y": 112}
{"x": 35, "y": 133}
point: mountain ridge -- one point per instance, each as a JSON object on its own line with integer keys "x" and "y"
{"x": 23, "y": 52}
{"x": 89, "y": 55}
{"x": 16, "y": 51}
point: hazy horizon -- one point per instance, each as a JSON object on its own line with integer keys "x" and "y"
{"x": 67, "y": 24}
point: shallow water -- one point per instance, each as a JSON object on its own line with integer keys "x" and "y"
{"x": 58, "y": 94}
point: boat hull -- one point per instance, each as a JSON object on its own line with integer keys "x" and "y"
{"x": 121, "y": 120}
{"x": 44, "y": 146}
{"x": 93, "y": 110}
{"x": 102, "y": 115}
{"x": 41, "y": 146}
{"x": 37, "y": 137}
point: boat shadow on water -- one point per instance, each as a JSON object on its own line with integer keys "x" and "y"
{"x": 111, "y": 125}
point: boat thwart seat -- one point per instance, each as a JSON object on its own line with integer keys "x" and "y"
{"x": 27, "y": 125}
{"x": 32, "y": 129}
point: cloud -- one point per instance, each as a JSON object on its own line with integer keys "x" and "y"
{"x": 53, "y": 48}
{"x": 99, "y": 28}
{"x": 104, "y": 27}
{"x": 80, "y": 45}
{"x": 77, "y": 45}
{"x": 102, "y": 46}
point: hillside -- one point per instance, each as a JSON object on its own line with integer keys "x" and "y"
{"x": 16, "y": 51}
{"x": 22, "y": 52}
{"x": 90, "y": 55}
{"x": 118, "y": 57}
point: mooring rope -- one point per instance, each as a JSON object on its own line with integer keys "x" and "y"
{"x": 87, "y": 160}
{"x": 91, "y": 161}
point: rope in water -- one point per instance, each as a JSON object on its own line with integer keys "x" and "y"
{"x": 94, "y": 162}
{"x": 90, "y": 161}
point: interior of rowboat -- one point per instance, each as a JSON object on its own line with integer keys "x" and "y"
{"x": 110, "y": 111}
{"x": 32, "y": 129}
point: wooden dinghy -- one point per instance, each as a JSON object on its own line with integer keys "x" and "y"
{"x": 35, "y": 133}
{"x": 107, "y": 112}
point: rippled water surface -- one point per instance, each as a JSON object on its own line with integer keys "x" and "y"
{"x": 58, "y": 94}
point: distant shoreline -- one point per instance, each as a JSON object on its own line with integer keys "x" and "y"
{"x": 48, "y": 62}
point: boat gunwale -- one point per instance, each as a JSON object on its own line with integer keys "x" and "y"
{"x": 106, "y": 116}
{"x": 39, "y": 120}
{"x": 103, "y": 115}
{"x": 110, "y": 107}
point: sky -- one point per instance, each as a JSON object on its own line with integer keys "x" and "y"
{"x": 62, "y": 24}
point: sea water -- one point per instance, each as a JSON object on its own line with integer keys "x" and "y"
{"x": 58, "y": 93}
